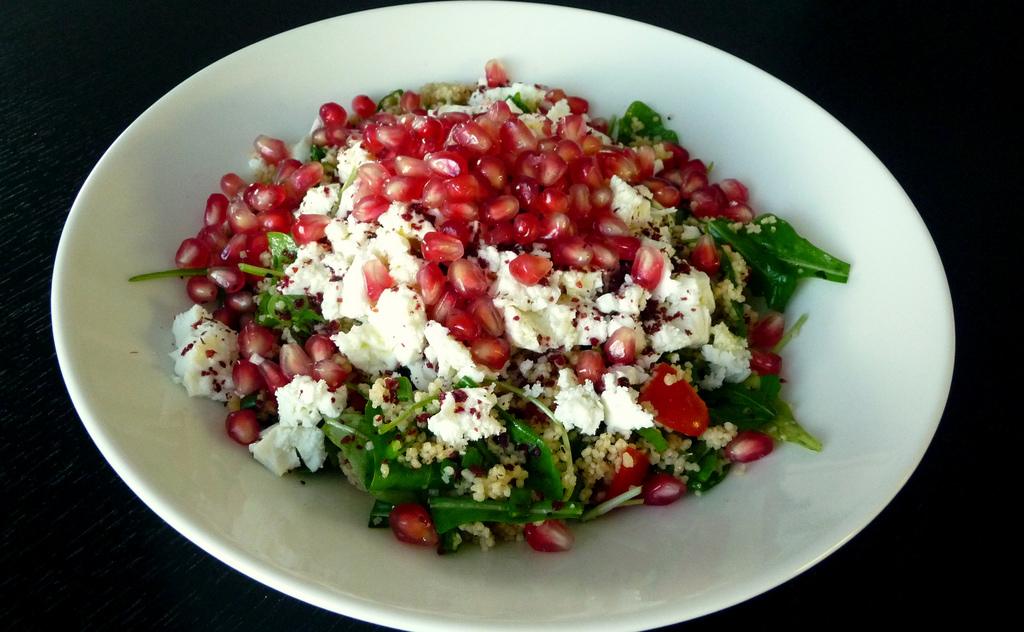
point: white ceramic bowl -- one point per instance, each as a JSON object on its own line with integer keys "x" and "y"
{"x": 869, "y": 374}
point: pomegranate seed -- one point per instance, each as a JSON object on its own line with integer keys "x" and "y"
{"x": 568, "y": 151}
{"x": 586, "y": 171}
{"x": 331, "y": 372}
{"x": 363, "y": 106}
{"x": 256, "y": 340}
{"x": 734, "y": 190}
{"x": 232, "y": 252}
{"x": 625, "y": 247}
{"x": 431, "y": 281}
{"x": 242, "y": 426}
{"x": 434, "y": 193}
{"x": 225, "y": 316}
{"x": 409, "y": 101}
{"x": 246, "y": 377}
{"x": 527, "y": 191}
{"x": 579, "y": 201}
{"x": 591, "y": 144}
{"x": 241, "y": 219}
{"x": 231, "y": 184}
{"x": 273, "y": 376}
{"x": 679, "y": 155}
{"x": 229, "y": 279}
{"x": 458, "y": 229}
{"x": 463, "y": 188}
{"x": 444, "y": 305}
{"x": 370, "y": 207}
{"x": 663, "y": 489}
{"x": 332, "y": 135}
{"x": 501, "y": 208}
{"x": 372, "y": 176}
{"x": 430, "y": 133}
{"x": 664, "y": 193}
{"x": 693, "y": 176}
{"x": 495, "y": 73}
{"x": 462, "y": 325}
{"x": 620, "y": 348}
{"x": 216, "y": 212}
{"x": 573, "y": 253}
{"x": 333, "y": 114}
{"x": 472, "y": 136}
{"x": 551, "y": 169}
{"x": 704, "y": 256}
{"x": 310, "y": 228}
{"x": 648, "y": 267}
{"x": 377, "y": 278}
{"x": 467, "y": 278}
{"x": 574, "y": 128}
{"x": 263, "y": 197}
{"x": 492, "y": 169}
{"x": 604, "y": 257}
{"x": 578, "y": 105}
{"x": 554, "y": 201}
{"x": 589, "y": 366}
{"x": 294, "y": 361}
{"x": 275, "y": 221}
{"x": 526, "y": 227}
{"x": 285, "y": 168}
{"x": 461, "y": 211}
{"x": 645, "y": 158}
{"x": 439, "y": 247}
{"x": 488, "y": 316}
{"x": 609, "y": 224}
{"x": 319, "y": 347}
{"x": 707, "y": 202}
{"x": 550, "y": 536}
{"x": 529, "y": 269}
{"x": 765, "y": 362}
{"x": 620, "y": 164}
{"x": 747, "y": 446}
{"x": 601, "y": 197}
{"x": 270, "y": 149}
{"x": 493, "y": 353}
{"x": 403, "y": 188}
{"x": 411, "y": 523}
{"x": 554, "y": 96}
{"x": 201, "y": 289}
{"x": 516, "y": 137}
{"x": 393, "y": 137}
{"x": 192, "y": 253}
{"x": 241, "y": 302}
{"x": 767, "y": 331}
{"x": 305, "y": 178}
{"x": 738, "y": 212}
{"x": 556, "y": 226}
{"x": 498, "y": 234}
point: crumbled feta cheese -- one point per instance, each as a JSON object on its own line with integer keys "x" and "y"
{"x": 559, "y": 111}
{"x": 530, "y": 94}
{"x": 307, "y": 274}
{"x": 549, "y": 328}
{"x": 630, "y": 299}
{"x": 719, "y": 436}
{"x": 621, "y": 412}
{"x": 355, "y": 302}
{"x": 392, "y": 336}
{"x": 535, "y": 122}
{"x": 348, "y": 237}
{"x": 320, "y": 200}
{"x": 728, "y": 357}
{"x": 633, "y": 374}
{"x": 393, "y": 250}
{"x": 632, "y": 207}
{"x": 686, "y": 304}
{"x": 577, "y": 405}
{"x": 509, "y": 291}
{"x": 577, "y": 284}
{"x": 205, "y": 350}
{"x": 591, "y": 326}
{"x": 401, "y": 219}
{"x": 279, "y": 448}
{"x": 465, "y": 415}
{"x": 350, "y": 160}
{"x": 304, "y": 402}
{"x": 451, "y": 358}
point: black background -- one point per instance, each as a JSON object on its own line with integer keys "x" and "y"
{"x": 926, "y": 86}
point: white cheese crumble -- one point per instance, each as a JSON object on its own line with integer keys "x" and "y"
{"x": 559, "y": 111}
{"x": 392, "y": 336}
{"x": 305, "y": 402}
{"x": 728, "y": 357}
{"x": 451, "y": 358}
{"x": 622, "y": 414}
{"x": 280, "y": 447}
{"x": 320, "y": 200}
{"x": 351, "y": 159}
{"x": 205, "y": 350}
{"x": 465, "y": 415}
{"x": 308, "y": 274}
{"x": 577, "y": 405}
{"x": 630, "y": 299}
{"x": 577, "y": 284}
{"x": 629, "y": 204}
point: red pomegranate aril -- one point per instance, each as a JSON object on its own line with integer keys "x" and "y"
{"x": 235, "y": 248}
{"x": 331, "y": 372}
{"x": 463, "y": 188}
{"x": 377, "y": 279}
{"x": 585, "y": 170}
{"x": 285, "y": 168}
{"x": 241, "y": 219}
{"x": 493, "y": 353}
{"x": 529, "y": 269}
{"x": 332, "y": 136}
{"x": 693, "y": 176}
{"x": 738, "y": 212}
{"x": 679, "y": 155}
{"x": 578, "y": 105}
{"x": 305, "y": 177}
{"x": 294, "y": 361}
{"x": 255, "y": 339}
{"x": 604, "y": 257}
{"x": 246, "y": 377}
{"x": 573, "y": 253}
{"x": 645, "y": 157}
{"x": 412, "y": 167}
{"x": 516, "y": 137}
{"x": 192, "y": 253}
{"x": 403, "y": 188}
{"x": 487, "y": 315}
{"x": 526, "y": 227}
{"x": 319, "y": 347}
{"x": 765, "y": 362}
{"x": 601, "y": 197}
{"x": 412, "y": 524}
{"x": 430, "y": 132}
{"x": 272, "y": 150}
{"x": 609, "y": 224}
{"x": 472, "y": 136}
{"x": 589, "y": 366}
{"x": 554, "y": 95}
{"x": 373, "y": 175}
{"x": 767, "y": 331}
{"x": 624, "y": 246}
{"x": 363, "y": 106}
{"x": 201, "y": 290}
{"x": 256, "y": 244}
{"x": 444, "y": 305}
{"x": 568, "y": 150}
{"x": 231, "y": 184}
{"x": 707, "y": 202}
{"x": 275, "y": 221}
{"x": 573, "y": 128}
{"x": 434, "y": 193}
{"x": 242, "y": 426}
{"x": 226, "y": 317}
{"x": 663, "y": 489}
{"x": 556, "y": 226}
{"x": 370, "y": 207}
{"x": 705, "y": 257}
{"x": 579, "y": 201}
{"x": 494, "y": 72}
{"x": 431, "y": 281}
{"x": 648, "y": 267}
{"x": 241, "y": 302}
{"x": 492, "y": 169}
{"x": 439, "y": 247}
{"x": 458, "y": 229}
{"x": 591, "y": 145}
{"x": 554, "y": 201}
{"x": 501, "y": 208}
{"x": 446, "y": 163}
{"x": 309, "y": 228}
{"x": 527, "y": 191}
{"x": 620, "y": 164}
{"x": 409, "y": 101}
{"x": 216, "y": 212}
{"x": 734, "y": 190}
{"x": 460, "y": 211}
{"x": 550, "y": 536}
{"x": 620, "y": 348}
{"x": 229, "y": 279}
{"x": 501, "y": 233}
{"x": 273, "y": 376}
{"x": 462, "y": 325}
{"x": 393, "y": 137}
{"x": 747, "y": 446}
{"x": 263, "y": 197}
{"x": 467, "y": 278}
{"x": 551, "y": 169}
{"x": 333, "y": 114}
{"x": 668, "y": 196}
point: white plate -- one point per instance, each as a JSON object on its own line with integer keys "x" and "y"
{"x": 869, "y": 373}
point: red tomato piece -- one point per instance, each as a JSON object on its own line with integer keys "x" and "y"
{"x": 631, "y": 475}
{"x": 678, "y": 406}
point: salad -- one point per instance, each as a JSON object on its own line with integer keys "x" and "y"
{"x": 496, "y": 314}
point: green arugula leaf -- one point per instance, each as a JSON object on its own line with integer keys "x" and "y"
{"x": 450, "y": 512}
{"x": 545, "y": 476}
{"x": 404, "y": 390}
{"x": 785, "y": 428}
{"x": 640, "y": 122}
{"x": 282, "y": 310}
{"x": 167, "y": 274}
{"x": 771, "y": 277}
{"x": 517, "y": 98}
{"x": 713, "y": 470}
{"x": 654, "y": 437}
{"x": 390, "y": 101}
{"x": 282, "y": 249}
{"x": 747, "y": 406}
{"x": 317, "y": 153}
{"x": 779, "y": 238}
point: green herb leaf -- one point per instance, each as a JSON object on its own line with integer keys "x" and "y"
{"x": 545, "y": 476}
{"x": 168, "y": 274}
{"x": 450, "y": 542}
{"x": 517, "y": 98}
{"x": 654, "y": 437}
{"x": 450, "y": 512}
{"x": 249, "y": 401}
{"x": 317, "y": 153}
{"x": 791, "y": 333}
{"x": 713, "y": 470}
{"x": 772, "y": 278}
{"x": 380, "y": 514}
{"x": 404, "y": 390}
{"x": 640, "y": 122}
{"x": 257, "y": 270}
{"x": 282, "y": 249}
{"x": 390, "y": 101}
{"x": 785, "y": 428}
{"x": 747, "y": 406}
{"x": 281, "y": 310}
{"x": 779, "y": 238}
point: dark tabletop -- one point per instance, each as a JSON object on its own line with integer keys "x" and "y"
{"x": 920, "y": 83}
